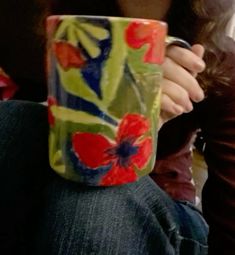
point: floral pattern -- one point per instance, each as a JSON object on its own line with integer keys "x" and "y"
{"x": 151, "y": 33}
{"x": 51, "y": 101}
{"x": 82, "y": 45}
{"x": 97, "y": 135}
{"x": 125, "y": 155}
{"x": 68, "y": 56}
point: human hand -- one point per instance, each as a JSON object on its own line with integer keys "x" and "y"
{"x": 179, "y": 85}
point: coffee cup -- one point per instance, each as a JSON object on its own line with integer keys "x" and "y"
{"x": 104, "y": 76}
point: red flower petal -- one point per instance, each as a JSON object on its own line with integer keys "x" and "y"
{"x": 119, "y": 175}
{"x": 145, "y": 150}
{"x": 156, "y": 52}
{"x": 67, "y": 55}
{"x": 132, "y": 126}
{"x": 138, "y": 34}
{"x": 91, "y": 149}
{"x": 51, "y": 101}
{"x": 7, "y": 87}
{"x": 149, "y": 32}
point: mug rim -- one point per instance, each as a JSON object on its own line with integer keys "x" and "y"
{"x": 112, "y": 18}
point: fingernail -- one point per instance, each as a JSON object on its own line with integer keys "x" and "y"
{"x": 200, "y": 64}
{"x": 189, "y": 107}
{"x": 199, "y": 97}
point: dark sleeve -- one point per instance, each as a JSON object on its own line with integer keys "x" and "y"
{"x": 217, "y": 117}
{"x": 22, "y": 47}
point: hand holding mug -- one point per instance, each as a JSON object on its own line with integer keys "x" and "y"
{"x": 179, "y": 85}
{"x": 104, "y": 79}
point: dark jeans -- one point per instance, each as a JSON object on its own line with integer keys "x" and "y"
{"x": 42, "y": 213}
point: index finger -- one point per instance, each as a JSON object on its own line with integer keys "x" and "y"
{"x": 186, "y": 58}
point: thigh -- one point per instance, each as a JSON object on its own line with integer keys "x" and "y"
{"x": 23, "y": 172}
{"x": 193, "y": 229}
{"x": 101, "y": 221}
{"x": 137, "y": 218}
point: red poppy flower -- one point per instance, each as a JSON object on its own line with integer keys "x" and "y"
{"x": 150, "y": 32}
{"x": 67, "y": 55}
{"x": 128, "y": 152}
{"x": 7, "y": 87}
{"x": 51, "y": 101}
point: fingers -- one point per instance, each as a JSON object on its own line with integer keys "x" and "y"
{"x": 179, "y": 75}
{"x": 199, "y": 51}
{"x": 186, "y": 58}
{"x": 169, "y": 110}
{"x": 179, "y": 84}
{"x": 168, "y": 105}
{"x": 175, "y": 98}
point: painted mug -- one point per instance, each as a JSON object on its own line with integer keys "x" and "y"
{"x": 104, "y": 77}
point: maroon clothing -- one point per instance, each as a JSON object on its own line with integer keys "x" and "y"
{"x": 215, "y": 116}
{"x": 174, "y": 159}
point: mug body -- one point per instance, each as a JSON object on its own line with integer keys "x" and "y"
{"x": 104, "y": 77}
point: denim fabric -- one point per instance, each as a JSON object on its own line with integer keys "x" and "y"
{"x": 193, "y": 229}
{"x": 133, "y": 219}
{"x": 23, "y": 173}
{"x": 137, "y": 218}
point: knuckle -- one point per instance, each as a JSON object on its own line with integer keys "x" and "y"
{"x": 193, "y": 83}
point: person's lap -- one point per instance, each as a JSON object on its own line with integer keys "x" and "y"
{"x": 137, "y": 218}
{"x": 23, "y": 173}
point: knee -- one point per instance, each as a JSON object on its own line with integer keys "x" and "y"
{"x": 23, "y": 137}
{"x": 22, "y": 121}
{"x": 94, "y": 219}
{"x": 21, "y": 115}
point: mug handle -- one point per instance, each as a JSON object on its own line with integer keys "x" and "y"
{"x": 171, "y": 40}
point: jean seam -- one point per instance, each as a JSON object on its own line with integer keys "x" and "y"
{"x": 193, "y": 240}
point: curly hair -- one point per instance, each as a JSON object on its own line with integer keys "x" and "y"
{"x": 204, "y": 22}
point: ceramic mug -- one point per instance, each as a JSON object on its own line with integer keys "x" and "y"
{"x": 104, "y": 76}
